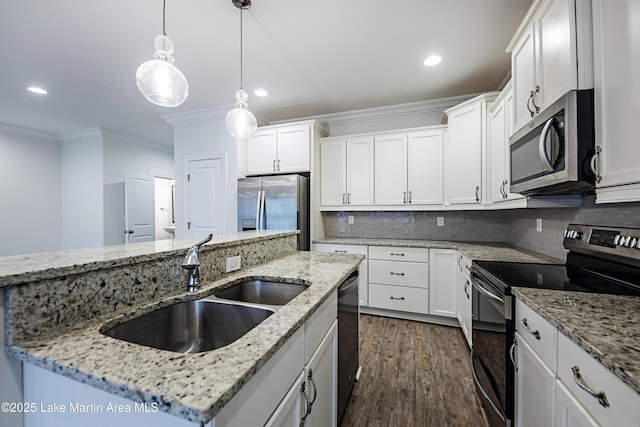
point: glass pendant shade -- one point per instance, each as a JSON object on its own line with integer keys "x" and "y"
{"x": 161, "y": 82}
{"x": 240, "y": 122}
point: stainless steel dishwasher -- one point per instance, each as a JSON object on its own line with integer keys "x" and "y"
{"x": 348, "y": 335}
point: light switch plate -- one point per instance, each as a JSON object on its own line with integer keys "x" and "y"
{"x": 233, "y": 263}
{"x": 440, "y": 221}
{"x": 350, "y": 219}
{"x": 539, "y": 225}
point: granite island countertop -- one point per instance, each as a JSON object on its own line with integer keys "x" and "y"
{"x": 485, "y": 251}
{"x": 605, "y": 326}
{"x": 17, "y": 269}
{"x": 191, "y": 386}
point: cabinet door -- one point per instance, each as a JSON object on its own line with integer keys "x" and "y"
{"x": 360, "y": 171}
{"x": 534, "y": 388}
{"x": 261, "y": 152}
{"x": 464, "y": 155}
{"x": 292, "y": 408}
{"x": 425, "y": 168}
{"x": 321, "y": 382}
{"x": 523, "y": 69}
{"x": 568, "y": 411}
{"x": 496, "y": 152}
{"x": 333, "y": 165}
{"x": 293, "y": 149}
{"x": 555, "y": 52}
{"x": 443, "y": 282}
{"x": 391, "y": 169}
{"x": 617, "y": 90}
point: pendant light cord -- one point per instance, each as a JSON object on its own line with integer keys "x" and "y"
{"x": 164, "y": 6}
{"x": 240, "y": 48}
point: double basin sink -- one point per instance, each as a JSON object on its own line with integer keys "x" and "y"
{"x": 211, "y": 322}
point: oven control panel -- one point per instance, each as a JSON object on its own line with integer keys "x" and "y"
{"x": 594, "y": 239}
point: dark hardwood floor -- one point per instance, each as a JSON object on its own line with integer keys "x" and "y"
{"x": 413, "y": 374}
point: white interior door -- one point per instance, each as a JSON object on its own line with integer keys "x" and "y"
{"x": 205, "y": 187}
{"x": 139, "y": 203}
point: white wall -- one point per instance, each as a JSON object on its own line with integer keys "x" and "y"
{"x": 30, "y": 191}
{"x": 82, "y": 200}
{"x": 203, "y": 133}
{"x": 163, "y": 208}
{"x": 124, "y": 154}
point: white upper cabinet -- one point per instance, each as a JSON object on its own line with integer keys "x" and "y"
{"x": 425, "y": 167}
{"x": 464, "y": 153}
{"x": 617, "y": 91}
{"x": 498, "y": 154}
{"x": 281, "y": 149}
{"x": 391, "y": 169}
{"x": 346, "y": 171}
{"x": 551, "y": 53}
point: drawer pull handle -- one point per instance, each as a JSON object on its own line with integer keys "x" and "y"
{"x": 396, "y": 254}
{"x": 602, "y": 397}
{"x": 401, "y": 298}
{"x": 396, "y": 274}
{"x": 526, "y": 327}
{"x": 339, "y": 252}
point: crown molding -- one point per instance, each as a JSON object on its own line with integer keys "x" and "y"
{"x": 126, "y": 138}
{"x": 93, "y": 134}
{"x": 204, "y": 115}
{"x": 21, "y": 131}
{"x": 411, "y": 109}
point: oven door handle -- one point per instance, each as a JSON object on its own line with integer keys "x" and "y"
{"x": 541, "y": 145}
{"x": 484, "y": 393}
{"x": 475, "y": 283}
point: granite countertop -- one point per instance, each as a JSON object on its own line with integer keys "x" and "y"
{"x": 485, "y": 251}
{"x": 191, "y": 386}
{"x": 605, "y": 326}
{"x": 47, "y": 265}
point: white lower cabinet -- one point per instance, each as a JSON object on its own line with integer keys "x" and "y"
{"x": 443, "y": 282}
{"x": 399, "y": 279}
{"x": 321, "y": 382}
{"x": 568, "y": 411}
{"x": 363, "y": 271}
{"x": 534, "y": 385}
{"x": 464, "y": 297}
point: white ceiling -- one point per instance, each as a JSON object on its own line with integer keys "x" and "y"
{"x": 314, "y": 57}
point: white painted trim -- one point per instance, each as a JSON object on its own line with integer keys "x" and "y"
{"x": 131, "y": 139}
{"x": 204, "y": 115}
{"x": 618, "y": 194}
{"x": 20, "y": 131}
{"x": 425, "y": 318}
{"x": 93, "y": 134}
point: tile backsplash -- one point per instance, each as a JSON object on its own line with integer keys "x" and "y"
{"x": 515, "y": 226}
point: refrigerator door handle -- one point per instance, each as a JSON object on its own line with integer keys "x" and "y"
{"x": 261, "y": 198}
{"x": 258, "y": 210}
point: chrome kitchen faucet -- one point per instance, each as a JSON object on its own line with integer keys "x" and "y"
{"x": 191, "y": 264}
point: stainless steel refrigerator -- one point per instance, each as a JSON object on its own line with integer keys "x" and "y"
{"x": 278, "y": 202}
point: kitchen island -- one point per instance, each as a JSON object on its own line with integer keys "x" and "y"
{"x": 194, "y": 387}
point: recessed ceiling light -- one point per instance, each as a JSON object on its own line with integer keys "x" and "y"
{"x": 261, "y": 92}
{"x": 36, "y": 89}
{"x": 432, "y": 60}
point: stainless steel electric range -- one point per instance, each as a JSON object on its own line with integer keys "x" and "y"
{"x": 601, "y": 259}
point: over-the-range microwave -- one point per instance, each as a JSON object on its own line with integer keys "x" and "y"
{"x": 553, "y": 153}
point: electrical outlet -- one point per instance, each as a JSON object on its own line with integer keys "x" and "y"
{"x": 350, "y": 219}
{"x": 539, "y": 225}
{"x": 233, "y": 263}
{"x": 440, "y": 221}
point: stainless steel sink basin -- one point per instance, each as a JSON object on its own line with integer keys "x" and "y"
{"x": 262, "y": 292}
{"x": 191, "y": 327}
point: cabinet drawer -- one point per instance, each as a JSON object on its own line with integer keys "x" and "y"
{"x": 624, "y": 402}
{"x": 341, "y": 249}
{"x": 537, "y": 332}
{"x": 414, "y": 274}
{"x": 399, "y": 254}
{"x": 399, "y": 298}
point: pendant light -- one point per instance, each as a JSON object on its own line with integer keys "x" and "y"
{"x": 240, "y": 122}
{"x": 161, "y": 82}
